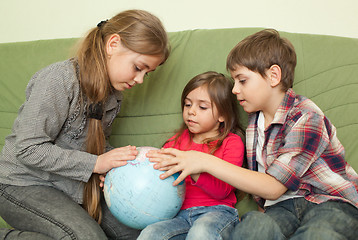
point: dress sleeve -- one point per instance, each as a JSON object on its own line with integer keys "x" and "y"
{"x": 40, "y": 120}
{"x": 233, "y": 152}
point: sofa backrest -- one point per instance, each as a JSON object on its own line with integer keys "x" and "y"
{"x": 327, "y": 72}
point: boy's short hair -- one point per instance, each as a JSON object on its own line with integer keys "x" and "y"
{"x": 259, "y": 51}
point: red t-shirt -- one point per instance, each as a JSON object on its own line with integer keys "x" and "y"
{"x": 208, "y": 190}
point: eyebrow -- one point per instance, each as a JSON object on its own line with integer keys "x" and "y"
{"x": 238, "y": 75}
{"x": 146, "y": 66}
{"x": 200, "y": 100}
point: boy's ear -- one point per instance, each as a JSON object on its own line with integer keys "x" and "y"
{"x": 275, "y": 75}
{"x": 113, "y": 44}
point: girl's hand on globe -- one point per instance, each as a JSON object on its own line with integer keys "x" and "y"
{"x": 101, "y": 180}
{"x": 157, "y": 156}
{"x": 173, "y": 160}
{"x": 115, "y": 158}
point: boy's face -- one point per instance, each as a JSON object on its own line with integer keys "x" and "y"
{"x": 251, "y": 89}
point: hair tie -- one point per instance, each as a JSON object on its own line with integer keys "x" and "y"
{"x": 100, "y": 24}
{"x": 95, "y": 110}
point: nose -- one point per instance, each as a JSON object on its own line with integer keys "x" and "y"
{"x": 236, "y": 89}
{"x": 191, "y": 111}
{"x": 139, "y": 78}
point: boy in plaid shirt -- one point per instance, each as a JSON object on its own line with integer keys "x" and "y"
{"x": 297, "y": 171}
{"x": 290, "y": 139}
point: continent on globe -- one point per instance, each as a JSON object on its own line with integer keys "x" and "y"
{"x": 136, "y": 195}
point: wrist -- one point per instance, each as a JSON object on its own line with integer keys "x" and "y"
{"x": 95, "y": 169}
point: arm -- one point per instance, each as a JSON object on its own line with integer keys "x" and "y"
{"x": 49, "y": 97}
{"x": 189, "y": 162}
{"x": 232, "y": 151}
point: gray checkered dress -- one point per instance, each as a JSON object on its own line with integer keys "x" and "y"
{"x": 46, "y": 146}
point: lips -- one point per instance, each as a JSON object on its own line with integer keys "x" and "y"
{"x": 191, "y": 122}
{"x": 242, "y": 102}
{"x": 129, "y": 86}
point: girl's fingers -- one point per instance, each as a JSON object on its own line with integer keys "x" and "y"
{"x": 172, "y": 171}
{"x": 119, "y": 163}
{"x": 163, "y": 169}
{"x": 179, "y": 179}
{"x": 101, "y": 179}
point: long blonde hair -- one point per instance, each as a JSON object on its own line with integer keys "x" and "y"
{"x": 141, "y": 32}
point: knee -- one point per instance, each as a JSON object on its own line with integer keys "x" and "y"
{"x": 149, "y": 232}
{"x": 201, "y": 230}
{"x": 248, "y": 221}
{"x": 312, "y": 232}
{"x": 256, "y": 225}
{"x": 82, "y": 232}
{"x": 330, "y": 219}
{"x": 254, "y": 217}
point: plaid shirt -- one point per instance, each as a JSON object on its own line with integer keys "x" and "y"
{"x": 302, "y": 151}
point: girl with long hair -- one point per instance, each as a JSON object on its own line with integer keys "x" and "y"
{"x": 50, "y": 163}
{"x": 210, "y": 125}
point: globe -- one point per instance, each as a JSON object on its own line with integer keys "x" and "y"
{"x": 136, "y": 195}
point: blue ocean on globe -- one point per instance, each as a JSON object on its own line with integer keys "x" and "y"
{"x": 136, "y": 195}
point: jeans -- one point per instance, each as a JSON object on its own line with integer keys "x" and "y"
{"x": 40, "y": 212}
{"x": 214, "y": 222}
{"x": 300, "y": 219}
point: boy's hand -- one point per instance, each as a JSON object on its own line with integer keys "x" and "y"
{"x": 173, "y": 160}
{"x": 158, "y": 156}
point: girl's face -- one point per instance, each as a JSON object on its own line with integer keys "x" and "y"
{"x": 200, "y": 115}
{"x": 125, "y": 67}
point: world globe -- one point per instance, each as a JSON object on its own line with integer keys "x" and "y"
{"x": 136, "y": 195}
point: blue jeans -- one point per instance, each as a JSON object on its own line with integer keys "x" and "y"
{"x": 214, "y": 222}
{"x": 300, "y": 219}
{"x": 40, "y": 212}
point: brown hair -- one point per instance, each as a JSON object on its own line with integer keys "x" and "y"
{"x": 219, "y": 88}
{"x": 259, "y": 51}
{"x": 141, "y": 32}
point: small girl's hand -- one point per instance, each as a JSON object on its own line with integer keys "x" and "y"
{"x": 115, "y": 158}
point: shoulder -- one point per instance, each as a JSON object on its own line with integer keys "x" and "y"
{"x": 233, "y": 140}
{"x": 232, "y": 150}
{"x": 306, "y": 117}
{"x": 59, "y": 72}
{"x": 304, "y": 109}
{"x": 64, "y": 68}
{"x": 55, "y": 78}
{"x": 306, "y": 105}
{"x": 177, "y": 139}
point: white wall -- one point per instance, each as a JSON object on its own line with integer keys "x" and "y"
{"x": 25, "y": 20}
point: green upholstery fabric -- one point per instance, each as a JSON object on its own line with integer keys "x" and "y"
{"x": 327, "y": 72}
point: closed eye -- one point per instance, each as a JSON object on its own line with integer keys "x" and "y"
{"x": 137, "y": 69}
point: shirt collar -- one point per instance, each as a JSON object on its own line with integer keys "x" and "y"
{"x": 285, "y": 106}
{"x": 113, "y": 100}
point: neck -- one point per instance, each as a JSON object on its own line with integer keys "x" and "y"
{"x": 272, "y": 106}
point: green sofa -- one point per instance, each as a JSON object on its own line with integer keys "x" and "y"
{"x": 327, "y": 72}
